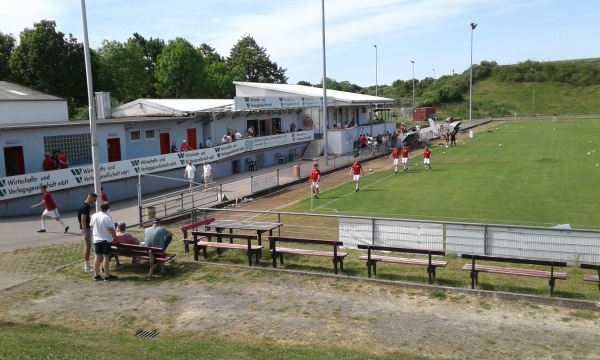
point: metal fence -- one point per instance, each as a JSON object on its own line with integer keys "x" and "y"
{"x": 570, "y": 245}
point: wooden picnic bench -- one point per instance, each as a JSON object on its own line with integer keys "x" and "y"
{"x": 590, "y": 277}
{"x": 551, "y": 275}
{"x": 189, "y": 240}
{"x": 372, "y": 259}
{"x": 220, "y": 245}
{"x": 282, "y": 159}
{"x": 156, "y": 256}
{"x": 337, "y": 257}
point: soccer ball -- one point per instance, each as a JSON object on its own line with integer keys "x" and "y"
{"x": 500, "y": 145}
{"x": 370, "y": 170}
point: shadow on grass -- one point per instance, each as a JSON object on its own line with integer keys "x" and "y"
{"x": 136, "y": 272}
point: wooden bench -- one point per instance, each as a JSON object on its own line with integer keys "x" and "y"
{"x": 551, "y": 275}
{"x": 590, "y": 277}
{"x": 251, "y": 164}
{"x": 282, "y": 159}
{"x": 337, "y": 257}
{"x": 220, "y": 245}
{"x": 372, "y": 259}
{"x": 189, "y": 240}
{"x": 156, "y": 256}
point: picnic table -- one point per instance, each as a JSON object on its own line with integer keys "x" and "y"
{"x": 258, "y": 226}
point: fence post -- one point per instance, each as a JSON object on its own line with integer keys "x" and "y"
{"x": 251, "y": 178}
{"x": 279, "y": 221}
{"x": 165, "y": 204}
{"x": 278, "y": 177}
{"x": 373, "y": 231}
{"x": 139, "y": 191}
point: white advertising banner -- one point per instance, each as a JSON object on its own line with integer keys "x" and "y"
{"x": 279, "y": 102}
{"x": 24, "y": 185}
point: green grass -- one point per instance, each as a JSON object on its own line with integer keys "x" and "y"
{"x": 542, "y": 175}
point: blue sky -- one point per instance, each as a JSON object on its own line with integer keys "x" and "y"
{"x": 435, "y": 34}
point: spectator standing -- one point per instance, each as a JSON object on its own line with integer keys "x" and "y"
{"x": 292, "y": 127}
{"x": 238, "y": 135}
{"x": 184, "y": 146}
{"x": 49, "y": 163}
{"x": 405, "y": 153}
{"x": 427, "y": 158}
{"x": 103, "y": 196}
{"x": 356, "y": 171}
{"x": 51, "y": 209}
{"x": 251, "y": 130}
{"x": 315, "y": 177}
{"x": 174, "y": 148}
{"x": 209, "y": 142}
{"x": 206, "y": 174}
{"x": 61, "y": 159}
{"x": 190, "y": 173}
{"x": 363, "y": 141}
{"x": 453, "y": 138}
{"x": 447, "y": 137}
{"x": 103, "y": 231}
{"x": 157, "y": 236}
{"x": 84, "y": 219}
{"x": 396, "y": 156}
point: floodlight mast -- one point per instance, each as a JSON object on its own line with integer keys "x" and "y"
{"x": 473, "y": 26}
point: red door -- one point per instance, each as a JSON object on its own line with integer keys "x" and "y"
{"x": 14, "y": 163}
{"x": 114, "y": 149}
{"x": 191, "y": 138}
{"x": 165, "y": 143}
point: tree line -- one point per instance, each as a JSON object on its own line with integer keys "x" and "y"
{"x": 48, "y": 61}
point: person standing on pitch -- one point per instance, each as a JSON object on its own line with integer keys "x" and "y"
{"x": 103, "y": 231}
{"x": 356, "y": 171}
{"x": 190, "y": 173}
{"x": 447, "y": 137}
{"x": 84, "y": 218}
{"x": 453, "y": 138}
{"x": 396, "y": 156}
{"x": 315, "y": 177}
{"x": 405, "y": 153}
{"x": 51, "y": 209}
{"x": 206, "y": 174}
{"x": 427, "y": 158}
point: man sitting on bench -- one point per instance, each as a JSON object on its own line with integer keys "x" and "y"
{"x": 157, "y": 236}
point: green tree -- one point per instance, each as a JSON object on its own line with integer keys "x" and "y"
{"x": 123, "y": 70}
{"x": 220, "y": 78}
{"x": 152, "y": 49}
{"x": 255, "y": 61}
{"x": 210, "y": 55}
{"x": 180, "y": 72}
{"x": 7, "y": 46}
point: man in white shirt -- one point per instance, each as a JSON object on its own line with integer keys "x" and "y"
{"x": 238, "y": 135}
{"x": 190, "y": 173}
{"x": 206, "y": 174}
{"x": 103, "y": 231}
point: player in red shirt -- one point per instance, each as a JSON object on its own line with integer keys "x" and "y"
{"x": 61, "y": 158}
{"x": 356, "y": 171}
{"x": 48, "y": 164}
{"x": 396, "y": 156}
{"x": 51, "y": 209}
{"x": 405, "y": 153}
{"x": 315, "y": 177}
{"x": 427, "y": 158}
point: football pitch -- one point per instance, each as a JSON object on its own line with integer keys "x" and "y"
{"x": 538, "y": 173}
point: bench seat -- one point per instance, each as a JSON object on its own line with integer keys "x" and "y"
{"x": 335, "y": 255}
{"x": 591, "y": 278}
{"x": 516, "y": 271}
{"x": 251, "y": 250}
{"x": 407, "y": 261}
{"x": 308, "y": 252}
{"x": 156, "y": 256}
{"x": 254, "y": 249}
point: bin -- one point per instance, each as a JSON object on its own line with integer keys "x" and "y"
{"x": 150, "y": 212}
{"x": 296, "y": 171}
{"x": 291, "y": 157}
{"x": 471, "y": 134}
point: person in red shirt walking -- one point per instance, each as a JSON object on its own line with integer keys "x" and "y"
{"x": 427, "y": 158}
{"x": 405, "y": 153}
{"x": 48, "y": 164}
{"x": 51, "y": 209}
{"x": 363, "y": 141}
{"x": 396, "y": 156}
{"x": 356, "y": 171}
{"x": 315, "y": 177}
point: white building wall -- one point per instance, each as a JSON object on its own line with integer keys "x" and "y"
{"x": 26, "y": 112}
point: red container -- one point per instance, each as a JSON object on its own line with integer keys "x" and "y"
{"x": 422, "y": 114}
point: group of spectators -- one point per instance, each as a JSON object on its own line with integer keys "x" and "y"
{"x": 56, "y": 161}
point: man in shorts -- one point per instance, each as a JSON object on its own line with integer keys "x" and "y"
{"x": 206, "y": 174}
{"x": 51, "y": 209}
{"x": 396, "y": 156}
{"x": 356, "y": 171}
{"x": 427, "y": 158}
{"x": 84, "y": 218}
{"x": 315, "y": 177}
{"x": 405, "y": 153}
{"x": 190, "y": 173}
{"x": 103, "y": 232}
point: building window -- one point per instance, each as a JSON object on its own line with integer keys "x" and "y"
{"x": 150, "y": 134}
{"x": 134, "y": 135}
{"x": 77, "y": 147}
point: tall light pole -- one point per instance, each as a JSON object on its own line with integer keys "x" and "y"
{"x": 473, "y": 26}
{"x": 325, "y": 152}
{"x": 375, "y": 69}
{"x": 412, "y": 61}
{"x": 433, "y": 75}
